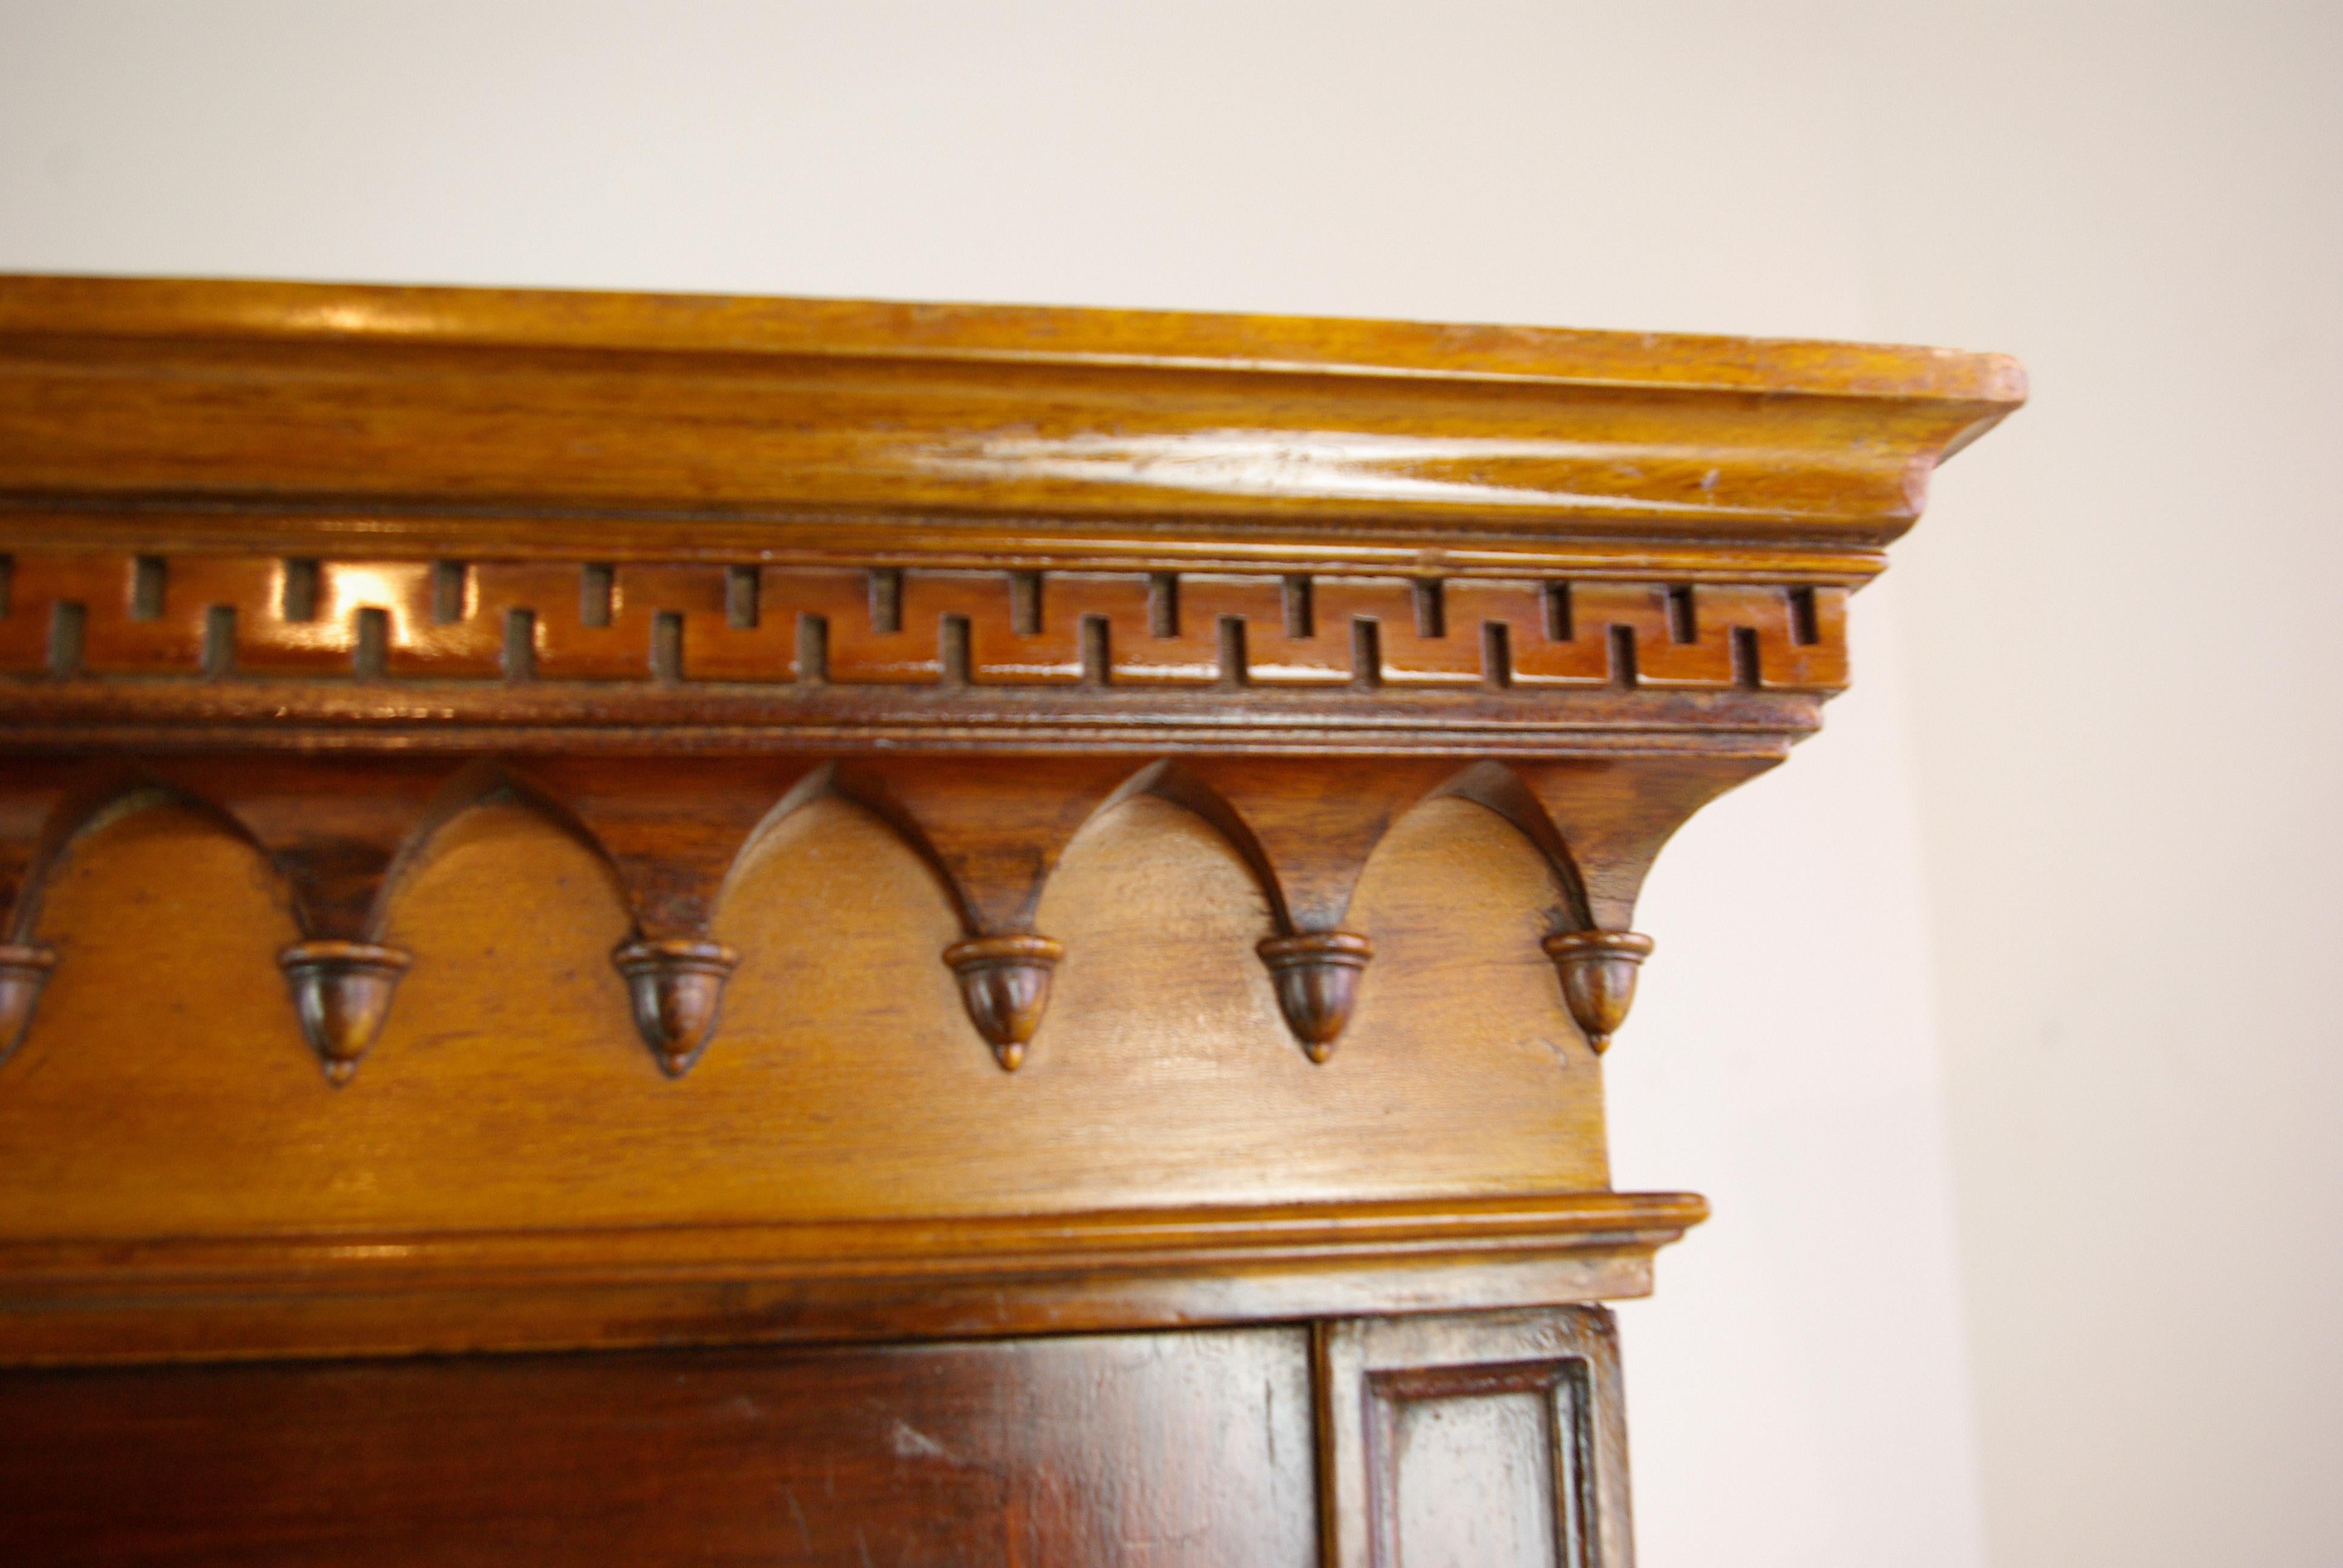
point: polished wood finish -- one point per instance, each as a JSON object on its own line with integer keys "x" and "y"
{"x": 846, "y": 1086}
{"x": 1598, "y": 972}
{"x": 877, "y": 842}
{"x": 1466, "y": 438}
{"x": 280, "y": 653}
{"x": 941, "y": 1456}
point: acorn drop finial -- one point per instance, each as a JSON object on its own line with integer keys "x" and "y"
{"x": 1317, "y": 978}
{"x": 1004, "y": 981}
{"x": 23, "y": 971}
{"x": 342, "y": 992}
{"x": 1598, "y": 972}
{"x": 677, "y": 986}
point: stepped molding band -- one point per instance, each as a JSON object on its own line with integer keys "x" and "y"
{"x": 67, "y": 614}
{"x": 312, "y": 1295}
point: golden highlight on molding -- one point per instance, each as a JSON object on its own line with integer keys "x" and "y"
{"x": 99, "y": 614}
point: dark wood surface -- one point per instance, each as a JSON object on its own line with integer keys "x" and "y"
{"x": 1480, "y": 1441}
{"x": 1184, "y": 1448}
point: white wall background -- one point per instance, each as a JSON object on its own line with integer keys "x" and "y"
{"x": 1994, "y": 1025}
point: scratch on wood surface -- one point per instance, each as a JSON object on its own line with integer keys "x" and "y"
{"x": 910, "y": 1442}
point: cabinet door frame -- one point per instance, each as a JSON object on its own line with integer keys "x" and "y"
{"x": 1369, "y": 1369}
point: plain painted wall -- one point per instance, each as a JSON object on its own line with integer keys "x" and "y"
{"x": 1994, "y": 1023}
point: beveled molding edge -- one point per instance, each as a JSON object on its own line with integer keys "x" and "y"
{"x": 101, "y": 1301}
{"x": 136, "y": 391}
{"x": 941, "y": 541}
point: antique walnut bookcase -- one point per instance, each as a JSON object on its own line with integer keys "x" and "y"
{"x": 659, "y": 930}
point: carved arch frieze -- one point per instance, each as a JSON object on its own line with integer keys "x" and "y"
{"x": 673, "y": 836}
{"x": 1003, "y": 976}
{"x": 1315, "y": 974}
{"x": 1598, "y": 969}
{"x": 75, "y": 808}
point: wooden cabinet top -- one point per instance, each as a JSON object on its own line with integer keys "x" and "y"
{"x": 1028, "y": 433}
{"x": 568, "y": 819}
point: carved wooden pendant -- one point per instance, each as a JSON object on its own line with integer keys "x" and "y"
{"x": 1317, "y": 980}
{"x": 1598, "y": 972}
{"x": 676, "y": 986}
{"x": 342, "y": 992}
{"x": 1005, "y": 983}
{"x": 24, "y": 970}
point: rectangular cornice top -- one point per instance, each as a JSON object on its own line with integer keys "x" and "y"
{"x": 285, "y": 397}
{"x": 860, "y": 328}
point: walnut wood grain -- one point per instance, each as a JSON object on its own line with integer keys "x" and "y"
{"x": 372, "y": 1293}
{"x": 942, "y": 1456}
{"x": 536, "y": 822}
{"x": 210, "y": 616}
{"x": 669, "y": 838}
{"x": 320, "y": 397}
{"x": 136, "y": 648}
